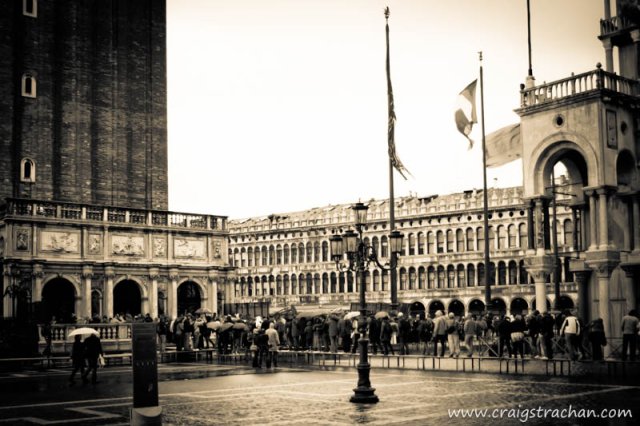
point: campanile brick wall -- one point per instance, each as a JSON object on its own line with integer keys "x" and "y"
{"x": 97, "y": 128}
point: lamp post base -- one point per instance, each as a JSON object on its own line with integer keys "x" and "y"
{"x": 364, "y": 393}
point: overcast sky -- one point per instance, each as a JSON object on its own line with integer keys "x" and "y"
{"x": 281, "y": 105}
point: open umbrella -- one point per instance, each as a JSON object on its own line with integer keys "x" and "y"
{"x": 312, "y": 314}
{"x": 382, "y": 314}
{"x": 352, "y": 315}
{"x": 224, "y": 327}
{"x": 204, "y": 311}
{"x": 214, "y": 325}
{"x": 239, "y": 326}
{"x": 83, "y": 331}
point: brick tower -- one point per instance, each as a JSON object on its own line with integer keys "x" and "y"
{"x": 83, "y": 102}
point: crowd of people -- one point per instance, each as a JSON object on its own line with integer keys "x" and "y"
{"x": 536, "y": 335}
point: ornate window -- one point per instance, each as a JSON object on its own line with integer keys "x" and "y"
{"x": 420, "y": 243}
{"x": 470, "y": 240}
{"x": 459, "y": 241}
{"x": 27, "y": 170}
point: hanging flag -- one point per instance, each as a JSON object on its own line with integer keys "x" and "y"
{"x": 503, "y": 146}
{"x": 393, "y": 156}
{"x": 465, "y": 114}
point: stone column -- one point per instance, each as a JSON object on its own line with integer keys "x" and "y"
{"x": 213, "y": 293}
{"x": 37, "y": 274}
{"x": 107, "y": 295}
{"x": 593, "y": 228}
{"x": 7, "y": 308}
{"x": 581, "y": 278}
{"x": 540, "y": 227}
{"x": 631, "y": 272}
{"x": 154, "y": 273}
{"x": 603, "y": 223}
{"x": 172, "y": 295}
{"x": 87, "y": 274}
{"x": 539, "y": 268}
{"x": 608, "y": 52}
{"x": 635, "y": 206}
{"x": 603, "y": 269}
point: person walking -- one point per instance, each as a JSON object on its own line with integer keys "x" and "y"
{"x": 404, "y": 334}
{"x": 374, "y": 333}
{"x": 77, "y": 359}
{"x": 333, "y": 334}
{"x": 470, "y": 330}
{"x": 161, "y": 329}
{"x": 273, "y": 342}
{"x": 453, "y": 335}
{"x": 439, "y": 333}
{"x": 570, "y": 329}
{"x": 92, "y": 351}
{"x": 629, "y": 332}
{"x": 547, "y": 324}
{"x": 425, "y": 332}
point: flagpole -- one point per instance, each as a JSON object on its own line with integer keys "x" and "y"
{"x": 393, "y": 277}
{"x": 487, "y": 285}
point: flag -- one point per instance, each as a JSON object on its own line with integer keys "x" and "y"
{"x": 393, "y": 156}
{"x": 465, "y": 114}
{"x": 503, "y": 146}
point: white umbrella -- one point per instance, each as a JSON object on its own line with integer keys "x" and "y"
{"x": 352, "y": 315}
{"x": 84, "y": 331}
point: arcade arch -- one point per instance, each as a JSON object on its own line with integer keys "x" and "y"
{"x": 58, "y": 300}
{"x": 127, "y": 298}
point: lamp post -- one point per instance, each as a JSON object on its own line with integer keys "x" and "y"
{"x": 359, "y": 256}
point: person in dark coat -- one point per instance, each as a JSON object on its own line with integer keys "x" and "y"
{"x": 504, "y": 331}
{"x": 333, "y": 334}
{"x": 404, "y": 334}
{"x": 92, "y": 350}
{"x": 518, "y": 327}
{"x": 374, "y": 333}
{"x": 77, "y": 359}
{"x": 385, "y": 336}
{"x": 597, "y": 338}
{"x": 347, "y": 328}
{"x": 547, "y": 324}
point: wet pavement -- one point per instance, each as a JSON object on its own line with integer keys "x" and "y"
{"x": 210, "y": 394}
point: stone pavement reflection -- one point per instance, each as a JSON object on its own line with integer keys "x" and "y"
{"x": 208, "y": 394}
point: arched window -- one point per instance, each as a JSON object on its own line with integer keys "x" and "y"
{"x": 384, "y": 246}
{"x": 440, "y": 241}
{"x": 403, "y": 279}
{"x": 512, "y": 236}
{"x": 431, "y": 278}
{"x": 441, "y": 277}
{"x": 243, "y": 257}
{"x": 301, "y": 253}
{"x": 272, "y": 255}
{"x": 481, "y": 280}
{"x": 451, "y": 276}
{"x": 430, "y": 243}
{"x": 27, "y": 170}
{"x": 256, "y": 255}
{"x": 309, "y": 253}
{"x": 470, "y": 240}
{"x": 250, "y": 256}
{"x": 522, "y": 234}
{"x": 492, "y": 238}
{"x": 422, "y": 278}
{"x": 502, "y": 237}
{"x": 285, "y": 252}
{"x": 450, "y": 244}
{"x": 412, "y": 279}
{"x": 524, "y": 276}
{"x": 461, "y": 276}
{"x": 325, "y": 251}
{"x": 480, "y": 234}
{"x": 513, "y": 272}
{"x": 459, "y": 241}
{"x": 502, "y": 273}
{"x": 385, "y": 281}
{"x": 471, "y": 275}
{"x": 278, "y": 254}
{"x": 29, "y": 87}
{"x": 412, "y": 244}
{"x": 376, "y": 280}
{"x": 294, "y": 253}
{"x": 316, "y": 252}
{"x": 265, "y": 256}
{"x": 376, "y": 245}
{"x": 420, "y": 243}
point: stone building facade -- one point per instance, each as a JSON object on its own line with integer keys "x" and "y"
{"x": 84, "y": 226}
{"x": 285, "y": 258}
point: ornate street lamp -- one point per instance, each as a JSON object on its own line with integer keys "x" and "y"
{"x": 359, "y": 256}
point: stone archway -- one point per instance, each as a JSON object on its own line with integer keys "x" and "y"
{"x": 58, "y": 300}
{"x": 435, "y": 305}
{"x": 457, "y": 307}
{"x": 417, "y": 309}
{"x": 127, "y": 298}
{"x": 189, "y": 297}
{"x": 519, "y": 306}
{"x": 498, "y": 306}
{"x": 476, "y": 306}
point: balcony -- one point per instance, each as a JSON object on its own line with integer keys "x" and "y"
{"x": 609, "y": 27}
{"x": 25, "y": 208}
{"x": 592, "y": 82}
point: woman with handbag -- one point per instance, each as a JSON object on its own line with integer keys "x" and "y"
{"x": 518, "y": 327}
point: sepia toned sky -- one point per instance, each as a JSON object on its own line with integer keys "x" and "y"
{"x": 281, "y": 105}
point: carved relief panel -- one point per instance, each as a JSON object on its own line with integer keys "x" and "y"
{"x": 127, "y": 245}
{"x": 189, "y": 248}
{"x": 59, "y": 242}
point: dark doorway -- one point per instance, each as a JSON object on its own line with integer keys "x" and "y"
{"x": 58, "y": 300}
{"x": 126, "y": 298}
{"x": 189, "y": 299}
